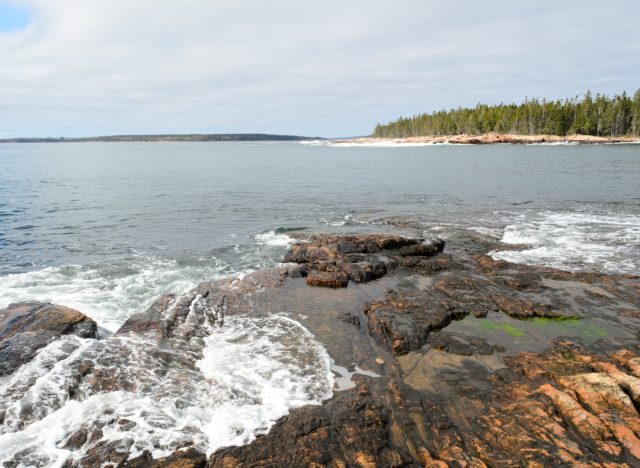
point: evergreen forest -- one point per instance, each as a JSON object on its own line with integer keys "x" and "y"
{"x": 597, "y": 115}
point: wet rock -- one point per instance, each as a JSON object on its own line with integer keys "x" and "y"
{"x": 363, "y": 272}
{"x": 403, "y": 321}
{"x": 437, "y": 398}
{"x": 349, "y": 430}
{"x": 362, "y": 257}
{"x": 151, "y": 320}
{"x": 25, "y": 317}
{"x": 190, "y": 458}
{"x": 28, "y": 326}
{"x": 328, "y": 279}
{"x": 427, "y": 248}
{"x": 464, "y": 346}
{"x": 520, "y": 309}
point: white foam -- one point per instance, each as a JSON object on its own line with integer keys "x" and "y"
{"x": 346, "y": 219}
{"x": 251, "y": 372}
{"x": 274, "y": 238}
{"x": 260, "y": 369}
{"x": 386, "y": 144}
{"x": 485, "y": 231}
{"x": 344, "y": 381}
{"x": 575, "y": 241}
{"x": 109, "y": 295}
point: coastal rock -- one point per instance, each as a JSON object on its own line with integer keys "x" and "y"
{"x": 181, "y": 459}
{"x": 416, "y": 387}
{"x": 402, "y": 321}
{"x": 426, "y": 248}
{"x": 185, "y": 316}
{"x": 328, "y": 279}
{"x": 323, "y": 247}
{"x": 362, "y": 258}
{"x": 26, "y": 327}
{"x": 349, "y": 430}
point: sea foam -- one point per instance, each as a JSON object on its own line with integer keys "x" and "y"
{"x": 223, "y": 390}
{"x": 109, "y": 294}
{"x": 575, "y": 241}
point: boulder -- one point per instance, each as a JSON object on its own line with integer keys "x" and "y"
{"x": 328, "y": 279}
{"x": 427, "y": 248}
{"x": 26, "y": 327}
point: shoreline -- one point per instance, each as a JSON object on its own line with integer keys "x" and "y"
{"x": 448, "y": 341}
{"x": 492, "y": 138}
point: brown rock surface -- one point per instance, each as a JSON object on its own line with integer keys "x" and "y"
{"x": 328, "y": 279}
{"x": 441, "y": 368}
{"x": 361, "y": 258}
{"x": 26, "y": 327}
{"x": 459, "y": 400}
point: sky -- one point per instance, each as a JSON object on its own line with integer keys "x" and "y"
{"x": 306, "y": 67}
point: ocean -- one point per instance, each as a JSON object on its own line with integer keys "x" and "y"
{"x": 107, "y": 228}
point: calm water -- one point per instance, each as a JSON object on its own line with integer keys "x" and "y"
{"x": 107, "y": 227}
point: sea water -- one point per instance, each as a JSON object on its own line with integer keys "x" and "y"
{"x": 107, "y": 228}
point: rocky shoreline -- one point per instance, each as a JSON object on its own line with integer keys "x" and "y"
{"x": 493, "y": 138}
{"x": 463, "y": 360}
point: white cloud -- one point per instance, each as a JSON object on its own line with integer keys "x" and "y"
{"x": 86, "y": 67}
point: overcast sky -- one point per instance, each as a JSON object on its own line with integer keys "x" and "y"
{"x": 307, "y": 67}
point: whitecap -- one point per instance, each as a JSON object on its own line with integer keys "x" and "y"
{"x": 108, "y": 293}
{"x": 575, "y": 241}
{"x": 220, "y": 391}
{"x": 274, "y": 238}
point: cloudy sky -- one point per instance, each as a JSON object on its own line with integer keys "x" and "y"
{"x": 308, "y": 67}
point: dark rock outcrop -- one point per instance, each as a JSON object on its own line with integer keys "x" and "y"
{"x": 328, "y": 279}
{"x": 424, "y": 389}
{"x": 349, "y": 430}
{"x": 460, "y": 400}
{"x": 181, "y": 459}
{"x": 360, "y": 258}
{"x": 26, "y": 327}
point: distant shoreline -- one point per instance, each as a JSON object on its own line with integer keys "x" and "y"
{"x": 166, "y": 137}
{"x": 493, "y": 138}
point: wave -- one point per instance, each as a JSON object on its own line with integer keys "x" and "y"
{"x": 109, "y": 292}
{"x": 486, "y": 231}
{"x": 275, "y": 237}
{"x": 574, "y": 241}
{"x": 222, "y": 391}
{"x": 262, "y": 368}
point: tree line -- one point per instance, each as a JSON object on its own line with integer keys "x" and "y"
{"x": 597, "y": 115}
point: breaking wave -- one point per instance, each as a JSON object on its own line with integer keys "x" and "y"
{"x": 575, "y": 241}
{"x": 108, "y": 292}
{"x": 223, "y": 390}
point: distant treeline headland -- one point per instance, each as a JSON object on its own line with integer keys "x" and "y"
{"x": 597, "y": 115}
{"x": 167, "y": 137}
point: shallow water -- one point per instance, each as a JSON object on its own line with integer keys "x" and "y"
{"x": 535, "y": 334}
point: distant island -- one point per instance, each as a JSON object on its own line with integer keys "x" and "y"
{"x": 166, "y": 137}
{"x": 603, "y": 118}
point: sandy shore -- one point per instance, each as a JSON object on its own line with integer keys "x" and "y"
{"x": 491, "y": 138}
